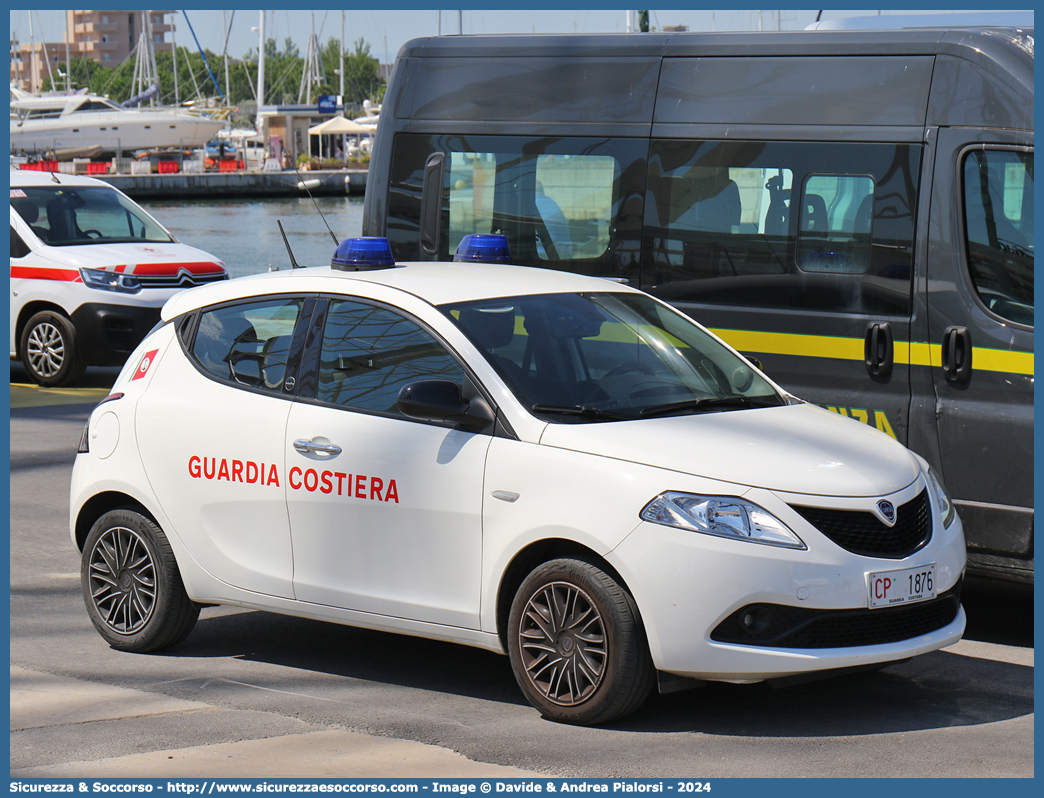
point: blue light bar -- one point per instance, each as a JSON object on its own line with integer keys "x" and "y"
{"x": 359, "y": 254}
{"x": 480, "y": 248}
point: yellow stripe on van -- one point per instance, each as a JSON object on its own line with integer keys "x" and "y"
{"x": 905, "y": 352}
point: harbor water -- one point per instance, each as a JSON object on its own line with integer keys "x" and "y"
{"x": 244, "y": 233}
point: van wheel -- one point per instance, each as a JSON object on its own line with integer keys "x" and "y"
{"x": 49, "y": 350}
{"x": 131, "y": 584}
{"x": 576, "y": 644}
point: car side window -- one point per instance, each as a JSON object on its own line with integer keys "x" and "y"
{"x": 369, "y": 353}
{"x": 998, "y": 217}
{"x": 248, "y": 343}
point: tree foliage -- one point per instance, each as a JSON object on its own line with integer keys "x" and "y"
{"x": 283, "y": 70}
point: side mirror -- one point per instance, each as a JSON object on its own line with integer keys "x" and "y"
{"x": 441, "y": 401}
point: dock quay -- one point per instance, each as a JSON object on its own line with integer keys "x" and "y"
{"x": 214, "y": 185}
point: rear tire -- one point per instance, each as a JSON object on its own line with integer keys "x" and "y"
{"x": 576, "y": 644}
{"x": 49, "y": 350}
{"x": 131, "y": 584}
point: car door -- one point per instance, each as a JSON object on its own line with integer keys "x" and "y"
{"x": 980, "y": 312}
{"x": 385, "y": 511}
{"x": 221, "y": 479}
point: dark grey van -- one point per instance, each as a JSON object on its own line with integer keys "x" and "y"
{"x": 853, "y": 208}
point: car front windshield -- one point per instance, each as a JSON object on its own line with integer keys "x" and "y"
{"x": 63, "y": 216}
{"x": 608, "y": 356}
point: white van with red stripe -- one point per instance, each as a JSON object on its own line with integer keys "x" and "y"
{"x": 90, "y": 270}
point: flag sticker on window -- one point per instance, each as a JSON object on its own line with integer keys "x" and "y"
{"x": 143, "y": 366}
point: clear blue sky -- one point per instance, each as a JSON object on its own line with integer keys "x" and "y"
{"x": 386, "y": 31}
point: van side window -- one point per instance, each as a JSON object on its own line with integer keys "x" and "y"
{"x": 559, "y": 200}
{"x": 998, "y": 218}
{"x": 836, "y": 219}
{"x": 571, "y": 199}
{"x": 784, "y": 225}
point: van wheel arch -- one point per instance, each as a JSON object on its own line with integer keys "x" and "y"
{"x": 27, "y": 312}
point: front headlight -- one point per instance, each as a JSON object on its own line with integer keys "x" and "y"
{"x": 110, "y": 281}
{"x": 721, "y": 516}
{"x": 947, "y": 512}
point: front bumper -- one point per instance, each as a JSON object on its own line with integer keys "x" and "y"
{"x": 690, "y": 587}
{"x": 107, "y": 334}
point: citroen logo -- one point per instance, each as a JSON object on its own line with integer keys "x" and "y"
{"x": 185, "y": 277}
{"x": 887, "y": 510}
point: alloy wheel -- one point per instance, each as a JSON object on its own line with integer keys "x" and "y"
{"x": 46, "y": 349}
{"x": 563, "y": 643}
{"x": 122, "y": 580}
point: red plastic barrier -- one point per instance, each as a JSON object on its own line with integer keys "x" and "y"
{"x": 228, "y": 166}
{"x": 168, "y": 167}
{"x": 97, "y": 168}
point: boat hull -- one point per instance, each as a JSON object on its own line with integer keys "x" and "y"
{"x": 113, "y": 132}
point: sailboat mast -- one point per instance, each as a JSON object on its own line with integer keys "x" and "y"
{"x": 68, "y": 70}
{"x": 260, "y": 71}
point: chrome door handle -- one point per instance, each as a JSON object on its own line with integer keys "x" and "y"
{"x": 310, "y": 447}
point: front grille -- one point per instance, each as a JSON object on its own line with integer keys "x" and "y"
{"x": 863, "y": 533}
{"x": 180, "y": 280}
{"x": 781, "y": 626}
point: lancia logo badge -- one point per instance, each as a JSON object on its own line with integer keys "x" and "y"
{"x": 887, "y": 510}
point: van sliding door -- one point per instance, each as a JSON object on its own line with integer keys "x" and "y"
{"x": 798, "y": 252}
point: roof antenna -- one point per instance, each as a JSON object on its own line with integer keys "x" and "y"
{"x": 302, "y": 183}
{"x": 293, "y": 263}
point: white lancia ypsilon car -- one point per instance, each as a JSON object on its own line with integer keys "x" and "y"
{"x": 551, "y": 466}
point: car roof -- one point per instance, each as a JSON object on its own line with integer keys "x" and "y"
{"x": 434, "y": 283}
{"x": 29, "y": 177}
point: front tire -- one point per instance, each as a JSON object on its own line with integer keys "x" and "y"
{"x": 49, "y": 350}
{"x": 576, "y": 644}
{"x": 131, "y": 584}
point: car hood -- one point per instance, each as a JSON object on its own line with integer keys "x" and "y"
{"x": 144, "y": 258}
{"x": 795, "y": 449}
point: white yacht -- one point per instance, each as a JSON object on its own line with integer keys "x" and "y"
{"x": 68, "y": 124}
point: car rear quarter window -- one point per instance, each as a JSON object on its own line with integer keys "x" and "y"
{"x": 248, "y": 344}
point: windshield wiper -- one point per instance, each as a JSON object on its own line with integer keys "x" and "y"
{"x": 706, "y": 402}
{"x": 582, "y": 410}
